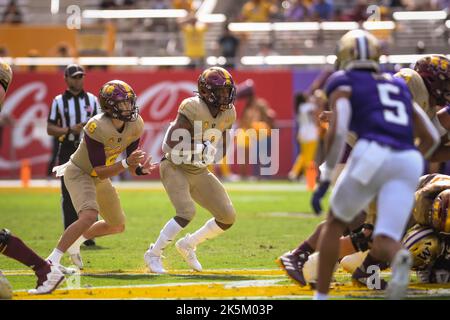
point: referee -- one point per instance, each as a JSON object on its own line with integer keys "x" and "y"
{"x": 69, "y": 113}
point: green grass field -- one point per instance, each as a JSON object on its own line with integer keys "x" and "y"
{"x": 269, "y": 222}
{"x": 258, "y": 237}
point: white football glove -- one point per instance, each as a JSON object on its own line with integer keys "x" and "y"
{"x": 209, "y": 151}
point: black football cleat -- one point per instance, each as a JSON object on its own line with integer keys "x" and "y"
{"x": 362, "y": 279}
{"x": 89, "y": 243}
{"x": 292, "y": 264}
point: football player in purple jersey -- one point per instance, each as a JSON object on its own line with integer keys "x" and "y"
{"x": 384, "y": 164}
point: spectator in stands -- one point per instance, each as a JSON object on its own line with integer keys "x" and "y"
{"x": 159, "y": 5}
{"x": 229, "y": 46}
{"x": 257, "y": 11}
{"x": 296, "y": 11}
{"x": 3, "y": 52}
{"x": 129, "y": 4}
{"x": 108, "y": 4}
{"x": 359, "y": 12}
{"x": 322, "y": 10}
{"x": 193, "y": 33}
{"x": 417, "y": 5}
{"x": 266, "y": 49}
{"x": 12, "y": 13}
{"x": 187, "y": 5}
{"x": 441, "y": 5}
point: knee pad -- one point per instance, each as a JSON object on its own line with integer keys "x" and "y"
{"x": 4, "y": 238}
{"x": 361, "y": 241}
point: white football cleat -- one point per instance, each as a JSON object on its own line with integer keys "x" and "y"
{"x": 401, "y": 266}
{"x": 188, "y": 253}
{"x": 65, "y": 270}
{"x": 153, "y": 261}
{"x": 48, "y": 280}
{"x": 5, "y": 288}
{"x": 76, "y": 260}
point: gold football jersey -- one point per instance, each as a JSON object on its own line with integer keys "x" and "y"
{"x": 206, "y": 127}
{"x": 101, "y": 129}
{"x": 418, "y": 90}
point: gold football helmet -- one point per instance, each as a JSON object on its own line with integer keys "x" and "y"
{"x": 358, "y": 49}
{"x": 5, "y": 75}
{"x": 440, "y": 217}
{"x": 424, "y": 245}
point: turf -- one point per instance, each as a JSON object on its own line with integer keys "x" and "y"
{"x": 261, "y": 233}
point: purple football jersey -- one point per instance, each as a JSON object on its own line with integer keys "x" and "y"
{"x": 381, "y": 107}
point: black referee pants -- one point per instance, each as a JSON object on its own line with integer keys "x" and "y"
{"x": 69, "y": 213}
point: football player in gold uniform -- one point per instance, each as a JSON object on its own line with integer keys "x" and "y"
{"x": 190, "y": 144}
{"x": 87, "y": 174}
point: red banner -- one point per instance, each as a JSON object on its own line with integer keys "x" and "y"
{"x": 159, "y": 94}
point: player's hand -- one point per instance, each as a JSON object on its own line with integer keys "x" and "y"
{"x": 318, "y": 195}
{"x": 76, "y": 128}
{"x": 136, "y": 157}
{"x": 325, "y": 116}
{"x": 148, "y": 166}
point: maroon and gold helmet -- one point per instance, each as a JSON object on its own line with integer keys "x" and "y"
{"x": 435, "y": 72}
{"x": 216, "y": 88}
{"x": 5, "y": 75}
{"x": 440, "y": 216}
{"x": 112, "y": 95}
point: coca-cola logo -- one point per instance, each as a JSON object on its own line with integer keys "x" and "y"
{"x": 163, "y": 97}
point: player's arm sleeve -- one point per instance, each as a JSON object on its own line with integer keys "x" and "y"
{"x": 428, "y": 134}
{"x": 343, "y": 113}
{"x": 54, "y": 116}
{"x": 96, "y": 151}
{"x": 133, "y": 146}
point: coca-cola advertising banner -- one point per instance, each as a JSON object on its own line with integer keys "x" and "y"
{"x": 159, "y": 95}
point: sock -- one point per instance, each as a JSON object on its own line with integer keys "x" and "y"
{"x": 320, "y": 296}
{"x": 18, "y": 250}
{"x": 304, "y": 247}
{"x": 209, "y": 230}
{"x": 55, "y": 256}
{"x": 167, "y": 234}
{"x": 75, "y": 247}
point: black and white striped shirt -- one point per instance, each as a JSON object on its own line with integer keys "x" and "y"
{"x": 68, "y": 110}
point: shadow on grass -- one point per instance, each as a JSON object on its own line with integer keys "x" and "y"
{"x": 92, "y": 248}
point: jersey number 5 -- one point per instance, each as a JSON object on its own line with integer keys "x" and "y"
{"x": 399, "y": 116}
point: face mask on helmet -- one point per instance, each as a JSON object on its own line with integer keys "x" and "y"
{"x": 216, "y": 87}
{"x": 435, "y": 72}
{"x": 118, "y": 100}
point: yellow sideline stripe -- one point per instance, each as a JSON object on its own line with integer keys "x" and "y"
{"x": 216, "y": 290}
{"x": 212, "y": 290}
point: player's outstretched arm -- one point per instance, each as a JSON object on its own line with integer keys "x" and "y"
{"x": 424, "y": 130}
